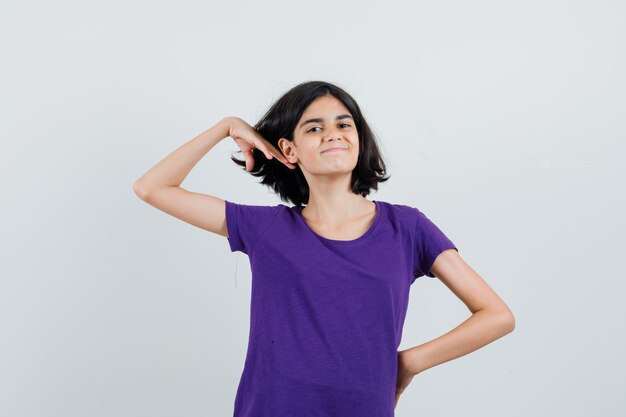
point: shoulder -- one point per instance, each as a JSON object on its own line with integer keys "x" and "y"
{"x": 397, "y": 212}
{"x": 412, "y": 219}
{"x": 247, "y": 223}
{"x": 256, "y": 210}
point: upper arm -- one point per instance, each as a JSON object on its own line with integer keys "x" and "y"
{"x": 466, "y": 284}
{"x": 202, "y": 210}
{"x": 428, "y": 242}
{"x": 247, "y": 224}
{"x": 438, "y": 257}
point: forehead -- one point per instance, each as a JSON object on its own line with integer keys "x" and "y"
{"x": 322, "y": 105}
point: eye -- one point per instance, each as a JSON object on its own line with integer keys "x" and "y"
{"x": 317, "y": 127}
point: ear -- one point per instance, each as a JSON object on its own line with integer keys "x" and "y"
{"x": 285, "y": 146}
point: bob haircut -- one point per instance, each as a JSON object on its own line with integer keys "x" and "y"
{"x": 280, "y": 122}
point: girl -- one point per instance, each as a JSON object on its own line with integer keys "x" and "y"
{"x": 331, "y": 279}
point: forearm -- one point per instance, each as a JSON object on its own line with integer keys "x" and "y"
{"x": 482, "y": 328}
{"x": 174, "y": 168}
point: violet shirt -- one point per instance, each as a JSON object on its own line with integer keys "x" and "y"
{"x": 326, "y": 315}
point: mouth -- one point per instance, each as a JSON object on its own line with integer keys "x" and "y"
{"x": 334, "y": 150}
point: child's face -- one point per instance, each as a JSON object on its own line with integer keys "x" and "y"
{"x": 311, "y": 141}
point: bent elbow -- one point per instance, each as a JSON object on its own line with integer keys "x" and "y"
{"x": 140, "y": 191}
{"x": 509, "y": 322}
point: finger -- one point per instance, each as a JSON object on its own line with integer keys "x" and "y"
{"x": 272, "y": 151}
{"x": 282, "y": 158}
{"x": 266, "y": 151}
{"x": 249, "y": 160}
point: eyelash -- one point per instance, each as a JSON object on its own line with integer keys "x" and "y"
{"x": 318, "y": 126}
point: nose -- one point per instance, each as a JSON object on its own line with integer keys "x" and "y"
{"x": 333, "y": 133}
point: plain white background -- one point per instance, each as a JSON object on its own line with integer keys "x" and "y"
{"x": 502, "y": 121}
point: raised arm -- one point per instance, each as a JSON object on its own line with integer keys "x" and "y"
{"x": 160, "y": 186}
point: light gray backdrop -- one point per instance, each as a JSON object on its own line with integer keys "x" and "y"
{"x": 503, "y": 121}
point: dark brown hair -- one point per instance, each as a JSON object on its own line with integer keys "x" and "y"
{"x": 280, "y": 122}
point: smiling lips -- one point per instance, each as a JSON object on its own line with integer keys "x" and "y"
{"x": 334, "y": 150}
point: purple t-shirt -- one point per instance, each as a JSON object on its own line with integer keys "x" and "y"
{"x": 326, "y": 315}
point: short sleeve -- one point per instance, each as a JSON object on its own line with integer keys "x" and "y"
{"x": 246, "y": 224}
{"x": 429, "y": 241}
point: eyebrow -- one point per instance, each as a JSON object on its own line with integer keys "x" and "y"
{"x": 319, "y": 120}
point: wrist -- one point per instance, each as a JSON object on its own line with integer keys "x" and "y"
{"x": 224, "y": 126}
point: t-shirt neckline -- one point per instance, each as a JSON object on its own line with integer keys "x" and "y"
{"x": 343, "y": 242}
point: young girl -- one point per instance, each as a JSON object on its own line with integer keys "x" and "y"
{"x": 331, "y": 279}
